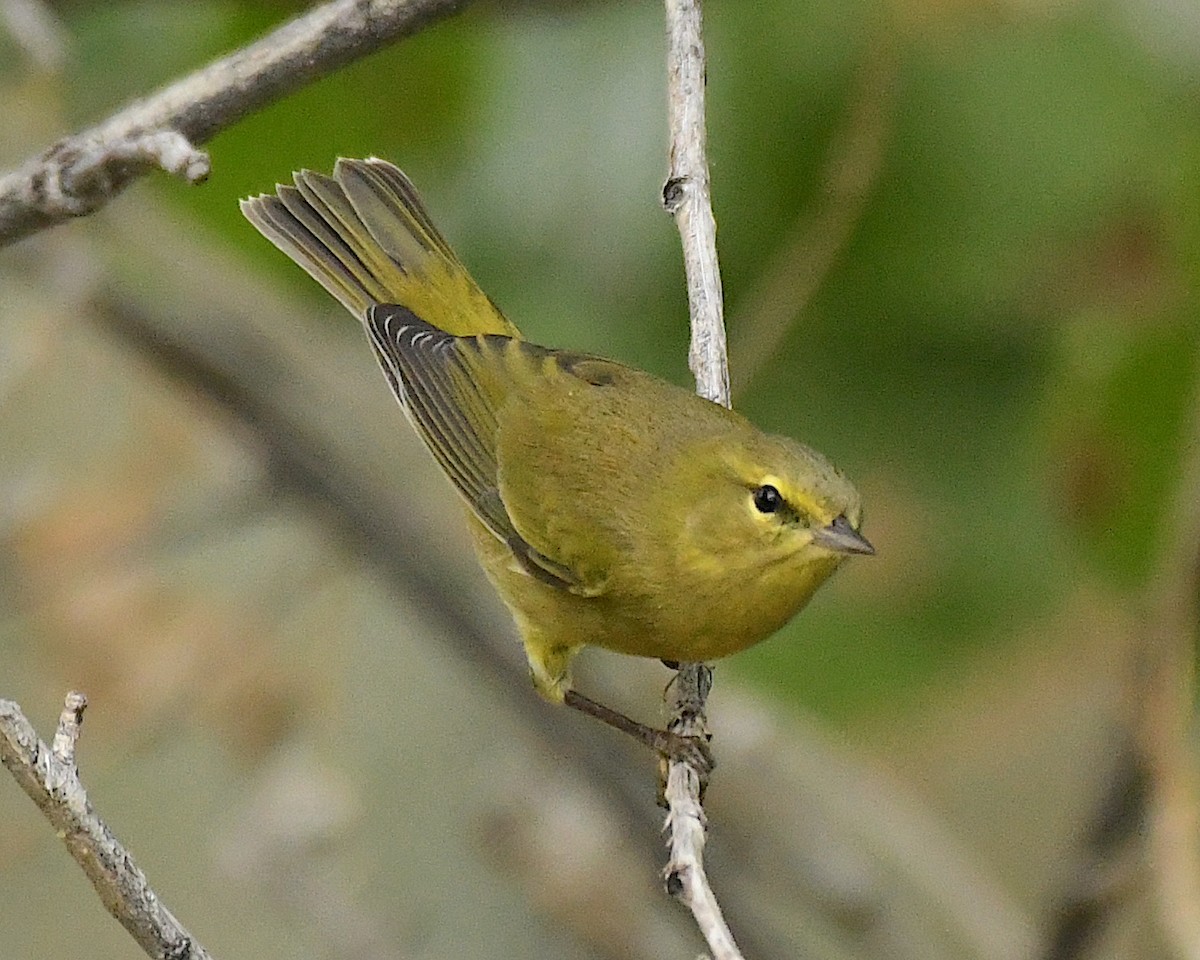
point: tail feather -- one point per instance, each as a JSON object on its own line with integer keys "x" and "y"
{"x": 387, "y": 199}
{"x": 365, "y": 236}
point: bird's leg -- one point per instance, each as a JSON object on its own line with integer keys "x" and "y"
{"x": 691, "y": 750}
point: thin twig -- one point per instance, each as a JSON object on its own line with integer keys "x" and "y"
{"x": 81, "y": 173}
{"x": 50, "y": 776}
{"x": 686, "y": 197}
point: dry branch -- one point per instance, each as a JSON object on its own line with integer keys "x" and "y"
{"x": 50, "y": 776}
{"x": 81, "y": 173}
{"x": 686, "y": 197}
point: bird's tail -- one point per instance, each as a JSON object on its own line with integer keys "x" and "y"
{"x": 365, "y": 236}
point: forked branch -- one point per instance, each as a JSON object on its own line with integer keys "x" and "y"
{"x": 50, "y": 777}
{"x": 81, "y": 173}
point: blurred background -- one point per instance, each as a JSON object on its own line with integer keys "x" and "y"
{"x": 961, "y": 245}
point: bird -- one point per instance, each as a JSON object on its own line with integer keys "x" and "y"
{"x": 607, "y": 506}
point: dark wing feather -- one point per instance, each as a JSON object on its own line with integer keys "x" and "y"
{"x": 441, "y": 381}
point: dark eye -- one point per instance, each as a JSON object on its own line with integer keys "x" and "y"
{"x": 767, "y": 499}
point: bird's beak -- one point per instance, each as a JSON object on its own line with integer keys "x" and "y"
{"x": 840, "y": 537}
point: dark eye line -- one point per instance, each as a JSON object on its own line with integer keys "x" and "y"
{"x": 769, "y": 501}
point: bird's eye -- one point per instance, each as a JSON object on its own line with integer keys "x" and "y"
{"x": 767, "y": 499}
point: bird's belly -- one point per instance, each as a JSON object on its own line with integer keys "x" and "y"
{"x": 693, "y": 621}
{"x": 707, "y": 619}
{"x": 691, "y": 626}
{"x": 624, "y": 624}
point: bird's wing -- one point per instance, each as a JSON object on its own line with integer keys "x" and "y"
{"x": 454, "y": 390}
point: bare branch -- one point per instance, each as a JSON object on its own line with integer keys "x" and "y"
{"x": 685, "y": 875}
{"x": 686, "y": 197}
{"x": 81, "y": 173}
{"x": 50, "y": 777}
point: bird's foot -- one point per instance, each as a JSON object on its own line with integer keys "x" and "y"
{"x": 694, "y": 751}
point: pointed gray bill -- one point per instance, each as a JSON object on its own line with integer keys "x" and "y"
{"x": 843, "y": 538}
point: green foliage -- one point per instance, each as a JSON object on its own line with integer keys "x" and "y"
{"x": 1123, "y": 451}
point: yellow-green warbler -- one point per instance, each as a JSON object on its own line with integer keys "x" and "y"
{"x": 607, "y": 506}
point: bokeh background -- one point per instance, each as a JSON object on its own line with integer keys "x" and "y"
{"x": 961, "y": 249}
